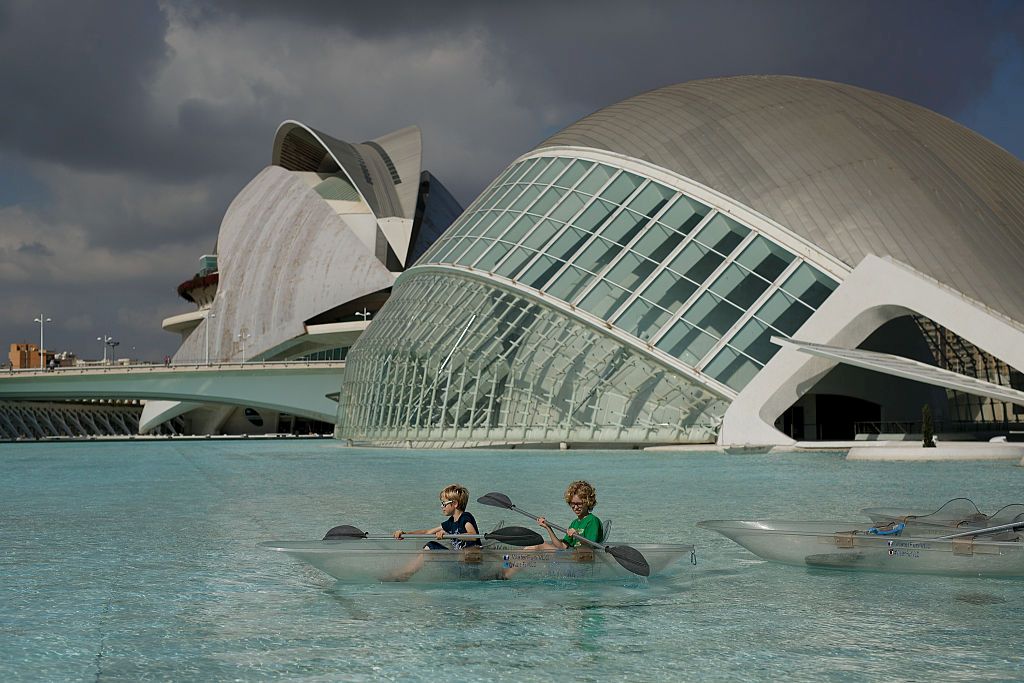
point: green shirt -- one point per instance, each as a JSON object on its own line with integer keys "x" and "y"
{"x": 589, "y": 528}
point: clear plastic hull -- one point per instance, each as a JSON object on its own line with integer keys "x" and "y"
{"x": 846, "y": 545}
{"x": 373, "y": 560}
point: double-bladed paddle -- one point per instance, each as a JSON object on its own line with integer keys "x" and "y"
{"x": 630, "y": 558}
{"x": 981, "y": 532}
{"x": 509, "y": 535}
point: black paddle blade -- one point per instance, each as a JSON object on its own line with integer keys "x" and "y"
{"x": 630, "y": 559}
{"x": 515, "y": 535}
{"x": 498, "y": 500}
{"x": 344, "y": 532}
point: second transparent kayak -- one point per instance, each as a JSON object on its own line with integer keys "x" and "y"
{"x": 848, "y": 545}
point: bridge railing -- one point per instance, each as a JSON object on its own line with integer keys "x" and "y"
{"x": 176, "y": 366}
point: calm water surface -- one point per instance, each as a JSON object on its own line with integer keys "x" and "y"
{"x": 137, "y": 561}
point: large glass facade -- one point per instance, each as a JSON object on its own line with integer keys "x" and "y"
{"x": 453, "y": 360}
{"x": 641, "y": 256}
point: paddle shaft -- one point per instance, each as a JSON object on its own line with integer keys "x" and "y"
{"x": 560, "y": 528}
{"x": 979, "y": 532}
{"x": 460, "y": 537}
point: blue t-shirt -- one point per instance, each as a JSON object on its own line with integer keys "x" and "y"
{"x": 450, "y": 526}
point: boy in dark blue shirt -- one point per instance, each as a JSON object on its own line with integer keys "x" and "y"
{"x": 454, "y": 499}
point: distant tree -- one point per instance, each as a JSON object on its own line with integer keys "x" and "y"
{"x": 927, "y": 428}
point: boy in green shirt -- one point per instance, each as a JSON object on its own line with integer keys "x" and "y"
{"x": 582, "y": 498}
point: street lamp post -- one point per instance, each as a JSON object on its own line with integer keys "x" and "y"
{"x": 113, "y": 350}
{"x": 106, "y": 339}
{"x": 42, "y": 354}
{"x": 241, "y": 340}
{"x": 208, "y": 316}
{"x": 364, "y": 314}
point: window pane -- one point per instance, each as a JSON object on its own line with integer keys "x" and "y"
{"x": 568, "y": 243}
{"x": 712, "y": 314}
{"x": 532, "y": 172}
{"x": 516, "y": 260}
{"x": 722, "y": 234}
{"x": 597, "y": 255}
{"x": 622, "y": 187}
{"x": 684, "y": 215}
{"x": 540, "y": 236}
{"x": 540, "y": 272}
{"x": 630, "y": 271}
{"x": 732, "y": 369}
{"x": 669, "y": 290}
{"x": 523, "y": 200}
{"x": 498, "y": 226}
{"x": 739, "y": 286}
{"x": 642, "y": 319}
{"x": 569, "y": 284}
{"x": 596, "y": 179}
{"x": 572, "y": 203}
{"x": 514, "y": 173}
{"x": 474, "y": 252}
{"x": 573, "y": 173}
{"x": 552, "y": 171}
{"x": 520, "y": 228}
{"x": 625, "y": 227}
{"x": 452, "y": 249}
{"x": 784, "y": 313}
{"x": 603, "y": 299}
{"x": 546, "y": 201}
{"x": 469, "y": 226}
{"x": 514, "y": 192}
{"x": 686, "y": 343}
{"x": 765, "y": 258}
{"x": 696, "y": 262}
{"x": 596, "y": 214}
{"x": 754, "y": 339}
{"x": 493, "y": 255}
{"x": 651, "y": 199}
{"x": 809, "y": 285}
{"x": 658, "y": 242}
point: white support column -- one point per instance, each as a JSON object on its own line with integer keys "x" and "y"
{"x": 877, "y": 291}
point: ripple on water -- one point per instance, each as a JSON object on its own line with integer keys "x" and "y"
{"x": 129, "y": 563}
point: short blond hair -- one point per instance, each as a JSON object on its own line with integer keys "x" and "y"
{"x": 457, "y": 493}
{"x": 585, "y": 491}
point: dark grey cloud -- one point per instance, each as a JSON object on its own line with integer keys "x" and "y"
{"x": 75, "y": 78}
{"x": 128, "y": 127}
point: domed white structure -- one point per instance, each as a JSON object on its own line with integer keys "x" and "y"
{"x": 635, "y": 279}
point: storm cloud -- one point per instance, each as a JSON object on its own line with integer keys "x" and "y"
{"x": 129, "y": 126}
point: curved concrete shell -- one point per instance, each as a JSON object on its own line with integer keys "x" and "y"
{"x": 385, "y": 170}
{"x": 853, "y": 171}
{"x": 308, "y": 251}
{"x": 285, "y": 256}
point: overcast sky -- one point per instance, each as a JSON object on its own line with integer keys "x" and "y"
{"x": 126, "y": 128}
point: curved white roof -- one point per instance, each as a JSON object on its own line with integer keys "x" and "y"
{"x": 853, "y": 171}
{"x": 385, "y": 171}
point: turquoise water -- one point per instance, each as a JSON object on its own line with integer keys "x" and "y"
{"x": 137, "y": 561}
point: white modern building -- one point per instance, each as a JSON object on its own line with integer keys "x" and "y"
{"x": 306, "y": 255}
{"x": 749, "y": 260}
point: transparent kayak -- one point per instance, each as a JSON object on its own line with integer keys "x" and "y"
{"x": 848, "y": 545}
{"x": 959, "y": 513}
{"x": 373, "y": 560}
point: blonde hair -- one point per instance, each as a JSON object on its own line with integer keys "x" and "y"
{"x": 585, "y": 491}
{"x": 457, "y": 493}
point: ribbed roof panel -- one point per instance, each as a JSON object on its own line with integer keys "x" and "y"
{"x": 854, "y": 171}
